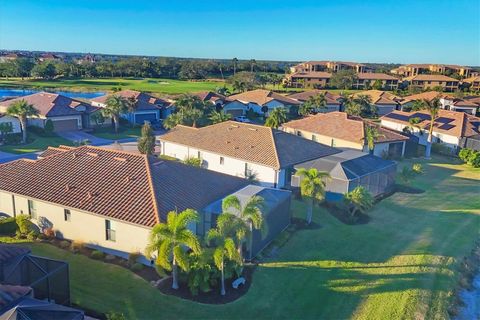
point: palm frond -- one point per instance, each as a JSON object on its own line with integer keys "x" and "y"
{"x": 229, "y": 202}
{"x": 181, "y": 257}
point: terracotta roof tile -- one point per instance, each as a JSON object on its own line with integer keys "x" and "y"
{"x": 311, "y": 74}
{"x": 143, "y": 101}
{"x": 331, "y": 98}
{"x": 261, "y": 97}
{"x": 430, "y": 77}
{"x": 380, "y": 97}
{"x": 375, "y": 76}
{"x": 253, "y": 143}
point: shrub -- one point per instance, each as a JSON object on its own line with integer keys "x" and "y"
{"x": 64, "y": 244}
{"x": 136, "y": 267}
{"x": 25, "y": 226}
{"x": 48, "y": 129}
{"x": 192, "y": 161}
{"x": 115, "y": 316}
{"x": 417, "y": 168}
{"x": 13, "y": 138}
{"x": 97, "y": 255}
{"x": 32, "y": 235}
{"x": 37, "y": 130}
{"x": 464, "y": 154}
{"x": 474, "y": 159}
{"x": 110, "y": 257}
{"x": 76, "y": 246}
{"x": 133, "y": 258}
{"x": 8, "y": 226}
{"x": 440, "y": 148}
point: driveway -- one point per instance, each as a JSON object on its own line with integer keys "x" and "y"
{"x": 78, "y": 136}
{"x": 7, "y": 157}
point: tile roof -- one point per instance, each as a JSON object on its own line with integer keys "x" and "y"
{"x": 458, "y": 124}
{"x": 249, "y": 142}
{"x": 472, "y": 79}
{"x": 116, "y": 184}
{"x": 430, "y": 77}
{"x": 209, "y": 96}
{"x": 428, "y": 95}
{"x": 339, "y": 125}
{"x": 261, "y": 97}
{"x": 348, "y": 63}
{"x": 311, "y": 74}
{"x": 375, "y": 76}
{"x": 380, "y": 97}
{"x": 53, "y": 105}
{"x": 331, "y": 98}
{"x": 143, "y": 101}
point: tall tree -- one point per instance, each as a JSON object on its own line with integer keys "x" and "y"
{"x": 169, "y": 241}
{"x": 235, "y": 62}
{"x": 312, "y": 104}
{"x": 115, "y": 105}
{"x": 432, "y": 107}
{"x": 358, "y": 200}
{"x": 224, "y": 247}
{"x": 276, "y": 118}
{"x": 22, "y": 110}
{"x": 146, "y": 142}
{"x": 249, "y": 216}
{"x": 343, "y": 79}
{"x": 219, "y": 116}
{"x": 312, "y": 187}
{"x": 371, "y": 136}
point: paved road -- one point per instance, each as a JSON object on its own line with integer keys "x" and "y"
{"x": 80, "y": 136}
{"x": 7, "y": 157}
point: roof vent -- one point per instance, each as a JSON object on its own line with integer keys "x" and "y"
{"x": 234, "y": 126}
{"x": 89, "y": 195}
{"x": 128, "y": 179}
{"x": 68, "y": 187}
{"x": 92, "y": 154}
{"x": 236, "y": 147}
{"x": 228, "y": 141}
{"x": 120, "y": 159}
{"x": 253, "y": 129}
{"x": 74, "y": 155}
{"x": 251, "y": 147}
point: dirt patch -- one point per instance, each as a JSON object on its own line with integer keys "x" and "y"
{"x": 213, "y": 296}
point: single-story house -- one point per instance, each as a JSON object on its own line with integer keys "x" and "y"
{"x": 276, "y": 215}
{"x": 244, "y": 150}
{"x": 450, "y": 127}
{"x": 259, "y": 98}
{"x": 106, "y": 198}
{"x": 351, "y": 169}
{"x": 13, "y": 121}
{"x": 365, "y": 80}
{"x": 333, "y": 100}
{"x": 384, "y": 101}
{"x": 447, "y": 102}
{"x": 146, "y": 107}
{"x": 214, "y": 98}
{"x": 340, "y": 130}
{"x": 66, "y": 114}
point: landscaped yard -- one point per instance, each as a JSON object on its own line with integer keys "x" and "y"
{"x": 123, "y": 133}
{"x": 38, "y": 144}
{"x": 401, "y": 265}
{"x": 167, "y": 86}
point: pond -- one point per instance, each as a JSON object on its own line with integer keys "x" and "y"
{"x": 471, "y": 300}
{"x": 4, "y": 92}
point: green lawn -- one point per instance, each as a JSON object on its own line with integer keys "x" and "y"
{"x": 123, "y": 133}
{"x": 166, "y": 86}
{"x": 401, "y": 265}
{"x": 38, "y": 144}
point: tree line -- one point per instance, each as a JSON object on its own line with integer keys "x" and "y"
{"x": 172, "y": 68}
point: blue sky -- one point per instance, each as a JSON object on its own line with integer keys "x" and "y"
{"x": 407, "y": 31}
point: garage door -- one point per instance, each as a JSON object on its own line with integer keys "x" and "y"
{"x": 235, "y": 113}
{"x": 141, "y": 118}
{"x": 65, "y": 125}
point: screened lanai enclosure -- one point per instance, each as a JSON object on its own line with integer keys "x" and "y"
{"x": 32, "y": 309}
{"x": 275, "y": 212}
{"x": 48, "y": 278}
{"x": 350, "y": 169}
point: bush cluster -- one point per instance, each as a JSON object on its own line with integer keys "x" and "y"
{"x": 470, "y": 157}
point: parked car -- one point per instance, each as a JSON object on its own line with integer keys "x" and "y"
{"x": 242, "y": 119}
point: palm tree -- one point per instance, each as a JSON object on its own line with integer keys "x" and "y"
{"x": 312, "y": 187}
{"x": 219, "y": 116}
{"x": 313, "y": 104}
{"x": 432, "y": 107}
{"x": 345, "y": 100}
{"x": 276, "y": 118}
{"x": 235, "y": 61}
{"x": 253, "y": 62}
{"x": 224, "y": 247}
{"x": 359, "y": 199}
{"x": 371, "y": 135}
{"x": 170, "y": 239}
{"x": 115, "y": 105}
{"x": 249, "y": 216}
{"x": 22, "y": 110}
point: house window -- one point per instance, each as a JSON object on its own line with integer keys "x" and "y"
{"x": 222, "y": 161}
{"x": 314, "y": 138}
{"x": 67, "y": 215}
{"x": 299, "y": 133}
{"x": 110, "y": 230}
{"x": 32, "y": 209}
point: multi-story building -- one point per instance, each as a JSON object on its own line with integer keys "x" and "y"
{"x": 367, "y": 79}
{"x": 445, "y": 69}
{"x": 430, "y": 81}
{"x": 474, "y": 83}
{"x": 332, "y": 66}
{"x": 308, "y": 79}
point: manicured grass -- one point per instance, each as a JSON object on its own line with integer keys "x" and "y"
{"x": 38, "y": 144}
{"x": 123, "y": 133}
{"x": 401, "y": 265}
{"x": 167, "y": 86}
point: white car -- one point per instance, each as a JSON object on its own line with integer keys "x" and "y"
{"x": 242, "y": 119}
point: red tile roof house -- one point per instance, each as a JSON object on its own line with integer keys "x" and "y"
{"x": 332, "y": 99}
{"x": 384, "y": 101}
{"x": 256, "y": 99}
{"x": 67, "y": 114}
{"x": 108, "y": 199}
{"x": 243, "y": 150}
{"x": 340, "y": 130}
{"x": 147, "y": 107}
{"x": 215, "y": 98}
{"x": 447, "y": 101}
{"x": 451, "y": 128}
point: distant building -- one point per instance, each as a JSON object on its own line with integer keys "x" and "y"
{"x": 333, "y": 100}
{"x": 87, "y": 59}
{"x": 474, "y": 83}
{"x": 215, "y": 98}
{"x": 49, "y": 57}
{"x": 430, "y": 81}
{"x": 337, "y": 129}
{"x": 448, "y": 102}
{"x": 332, "y": 66}
{"x": 11, "y": 56}
{"x": 410, "y": 70}
{"x": 256, "y": 100}
{"x": 308, "y": 79}
{"x": 366, "y": 80}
